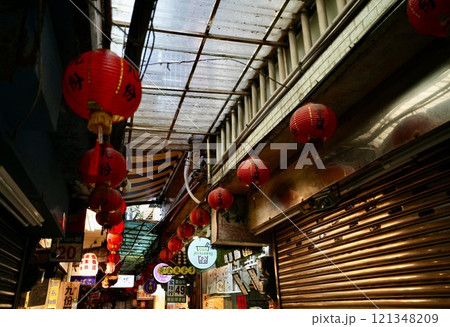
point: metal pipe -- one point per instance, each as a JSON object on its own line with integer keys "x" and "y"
{"x": 186, "y": 183}
{"x": 293, "y": 49}
{"x": 241, "y": 117}
{"x": 136, "y": 127}
{"x": 262, "y": 89}
{"x": 219, "y": 152}
{"x": 228, "y": 132}
{"x": 223, "y": 138}
{"x": 322, "y": 15}
{"x": 254, "y": 100}
{"x": 281, "y": 64}
{"x": 248, "y": 109}
{"x": 272, "y": 77}
{"x": 234, "y": 124}
{"x": 306, "y": 31}
{"x": 340, "y": 5}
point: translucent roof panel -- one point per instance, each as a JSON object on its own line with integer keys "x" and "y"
{"x": 186, "y": 15}
{"x": 203, "y": 61}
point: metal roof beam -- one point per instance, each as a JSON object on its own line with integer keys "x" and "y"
{"x": 218, "y": 37}
{"x": 206, "y": 91}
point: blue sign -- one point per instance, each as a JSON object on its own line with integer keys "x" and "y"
{"x": 84, "y": 280}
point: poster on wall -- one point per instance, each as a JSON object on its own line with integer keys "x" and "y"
{"x": 201, "y": 254}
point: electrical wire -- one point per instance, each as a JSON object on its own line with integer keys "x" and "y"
{"x": 152, "y": 32}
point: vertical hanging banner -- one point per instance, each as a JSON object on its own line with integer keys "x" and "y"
{"x": 176, "y": 291}
{"x": 52, "y": 293}
{"x": 68, "y": 295}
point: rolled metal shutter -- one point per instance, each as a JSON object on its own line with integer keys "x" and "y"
{"x": 385, "y": 245}
{"x": 13, "y": 244}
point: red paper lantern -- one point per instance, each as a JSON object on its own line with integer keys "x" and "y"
{"x": 105, "y": 199}
{"x": 175, "y": 244}
{"x": 185, "y": 231}
{"x": 113, "y": 247}
{"x": 114, "y": 238}
{"x": 110, "y": 167}
{"x": 220, "y": 198}
{"x": 410, "y": 128}
{"x": 200, "y": 217}
{"x": 253, "y": 170}
{"x": 165, "y": 255}
{"x": 430, "y": 17}
{"x": 113, "y": 257}
{"x": 109, "y": 219}
{"x": 335, "y": 173}
{"x": 102, "y": 87}
{"x": 117, "y": 229}
{"x": 313, "y": 123}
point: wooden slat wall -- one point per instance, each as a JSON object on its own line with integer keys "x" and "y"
{"x": 390, "y": 238}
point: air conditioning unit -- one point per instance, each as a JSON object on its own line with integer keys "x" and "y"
{"x": 13, "y": 199}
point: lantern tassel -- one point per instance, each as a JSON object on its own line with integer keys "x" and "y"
{"x": 93, "y": 164}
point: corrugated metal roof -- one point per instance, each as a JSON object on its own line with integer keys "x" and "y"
{"x": 203, "y": 55}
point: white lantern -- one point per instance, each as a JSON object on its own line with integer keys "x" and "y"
{"x": 89, "y": 265}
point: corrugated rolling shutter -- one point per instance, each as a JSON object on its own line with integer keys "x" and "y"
{"x": 13, "y": 243}
{"x": 389, "y": 242}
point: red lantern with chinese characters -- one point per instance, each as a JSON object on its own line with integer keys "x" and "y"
{"x": 200, "y": 217}
{"x": 105, "y": 199}
{"x": 335, "y": 173}
{"x": 313, "y": 123}
{"x": 117, "y": 229}
{"x": 185, "y": 231}
{"x": 114, "y": 238}
{"x": 102, "y": 87}
{"x": 253, "y": 170}
{"x": 109, "y": 168}
{"x": 166, "y": 255}
{"x": 113, "y": 247}
{"x": 113, "y": 257}
{"x": 411, "y": 128}
{"x": 109, "y": 219}
{"x": 220, "y": 198}
{"x": 430, "y": 17}
{"x": 175, "y": 244}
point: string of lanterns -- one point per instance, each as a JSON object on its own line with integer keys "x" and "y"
{"x": 104, "y": 89}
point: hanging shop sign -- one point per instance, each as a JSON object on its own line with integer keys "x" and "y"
{"x": 176, "y": 290}
{"x": 68, "y": 295}
{"x": 68, "y": 249}
{"x": 83, "y": 280}
{"x": 52, "y": 293}
{"x": 124, "y": 281}
{"x": 255, "y": 280}
{"x": 150, "y": 286}
{"x": 237, "y": 278}
{"x": 157, "y": 274}
{"x": 200, "y": 253}
{"x": 177, "y": 270}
